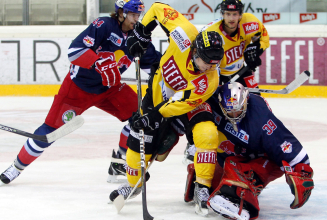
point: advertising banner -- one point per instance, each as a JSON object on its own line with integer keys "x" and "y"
{"x": 45, "y": 61}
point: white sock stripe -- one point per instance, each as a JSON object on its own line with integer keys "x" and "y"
{"x": 124, "y": 132}
{"x": 30, "y": 152}
{"x": 34, "y": 146}
{"x": 298, "y": 158}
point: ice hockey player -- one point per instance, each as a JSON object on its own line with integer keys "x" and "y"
{"x": 98, "y": 57}
{"x": 187, "y": 76}
{"x": 238, "y": 30}
{"x": 255, "y": 148}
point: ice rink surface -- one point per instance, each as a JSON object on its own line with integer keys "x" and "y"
{"x": 68, "y": 181}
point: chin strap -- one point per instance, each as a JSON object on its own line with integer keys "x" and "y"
{"x": 196, "y": 68}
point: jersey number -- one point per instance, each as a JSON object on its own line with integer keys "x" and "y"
{"x": 269, "y": 127}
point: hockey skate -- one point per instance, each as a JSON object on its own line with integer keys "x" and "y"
{"x": 120, "y": 195}
{"x": 189, "y": 154}
{"x": 116, "y": 168}
{"x": 9, "y": 174}
{"x": 201, "y": 196}
{"x": 223, "y": 206}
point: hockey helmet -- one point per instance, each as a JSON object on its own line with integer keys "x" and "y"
{"x": 233, "y": 97}
{"x": 231, "y": 5}
{"x": 209, "y": 47}
{"x": 134, "y": 6}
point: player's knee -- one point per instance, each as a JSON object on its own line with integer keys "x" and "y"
{"x": 205, "y": 135}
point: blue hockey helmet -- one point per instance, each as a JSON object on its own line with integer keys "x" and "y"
{"x": 134, "y": 6}
{"x": 233, "y": 99}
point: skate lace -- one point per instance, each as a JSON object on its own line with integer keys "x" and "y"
{"x": 202, "y": 194}
{"x": 125, "y": 190}
{"x": 11, "y": 173}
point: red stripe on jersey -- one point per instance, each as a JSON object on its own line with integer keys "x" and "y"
{"x": 86, "y": 60}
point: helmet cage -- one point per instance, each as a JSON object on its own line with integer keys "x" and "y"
{"x": 233, "y": 98}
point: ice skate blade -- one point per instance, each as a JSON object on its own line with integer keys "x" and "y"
{"x": 201, "y": 211}
{"x": 114, "y": 179}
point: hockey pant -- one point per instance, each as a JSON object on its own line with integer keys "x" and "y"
{"x": 119, "y": 101}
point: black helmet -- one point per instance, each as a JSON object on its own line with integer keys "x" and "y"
{"x": 209, "y": 47}
{"x": 232, "y": 5}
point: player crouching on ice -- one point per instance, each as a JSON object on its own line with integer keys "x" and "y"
{"x": 255, "y": 148}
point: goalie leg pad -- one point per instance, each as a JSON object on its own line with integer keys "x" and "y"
{"x": 238, "y": 186}
{"x": 189, "y": 188}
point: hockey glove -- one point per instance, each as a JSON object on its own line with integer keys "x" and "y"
{"x": 300, "y": 181}
{"x": 139, "y": 40}
{"x": 252, "y": 55}
{"x": 109, "y": 71}
{"x": 150, "y": 120}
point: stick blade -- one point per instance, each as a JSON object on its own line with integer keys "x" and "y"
{"x": 67, "y": 128}
{"x": 119, "y": 203}
{"x": 304, "y": 76}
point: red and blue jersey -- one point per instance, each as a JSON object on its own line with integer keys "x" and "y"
{"x": 101, "y": 39}
{"x": 260, "y": 134}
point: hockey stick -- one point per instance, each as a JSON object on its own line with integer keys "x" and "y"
{"x": 238, "y": 75}
{"x": 119, "y": 202}
{"x": 133, "y": 80}
{"x": 146, "y": 214}
{"x": 53, "y": 136}
{"x": 304, "y": 76}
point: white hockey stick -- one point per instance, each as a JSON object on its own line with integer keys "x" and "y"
{"x": 304, "y": 76}
{"x": 53, "y": 136}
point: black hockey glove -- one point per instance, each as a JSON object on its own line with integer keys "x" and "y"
{"x": 252, "y": 55}
{"x": 150, "y": 120}
{"x": 139, "y": 40}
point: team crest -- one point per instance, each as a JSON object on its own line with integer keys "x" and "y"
{"x": 88, "y": 41}
{"x": 170, "y": 14}
{"x": 286, "y": 147}
{"x": 68, "y": 116}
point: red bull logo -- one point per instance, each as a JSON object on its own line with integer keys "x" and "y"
{"x": 232, "y": 102}
{"x": 286, "y": 147}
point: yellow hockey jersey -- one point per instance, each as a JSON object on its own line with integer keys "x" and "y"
{"x": 249, "y": 29}
{"x": 176, "y": 80}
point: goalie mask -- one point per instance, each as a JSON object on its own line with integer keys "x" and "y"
{"x": 233, "y": 99}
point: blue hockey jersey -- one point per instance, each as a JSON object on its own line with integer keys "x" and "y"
{"x": 260, "y": 134}
{"x": 101, "y": 39}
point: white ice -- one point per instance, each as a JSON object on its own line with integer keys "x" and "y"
{"x": 68, "y": 181}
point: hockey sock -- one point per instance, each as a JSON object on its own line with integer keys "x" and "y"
{"x": 32, "y": 149}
